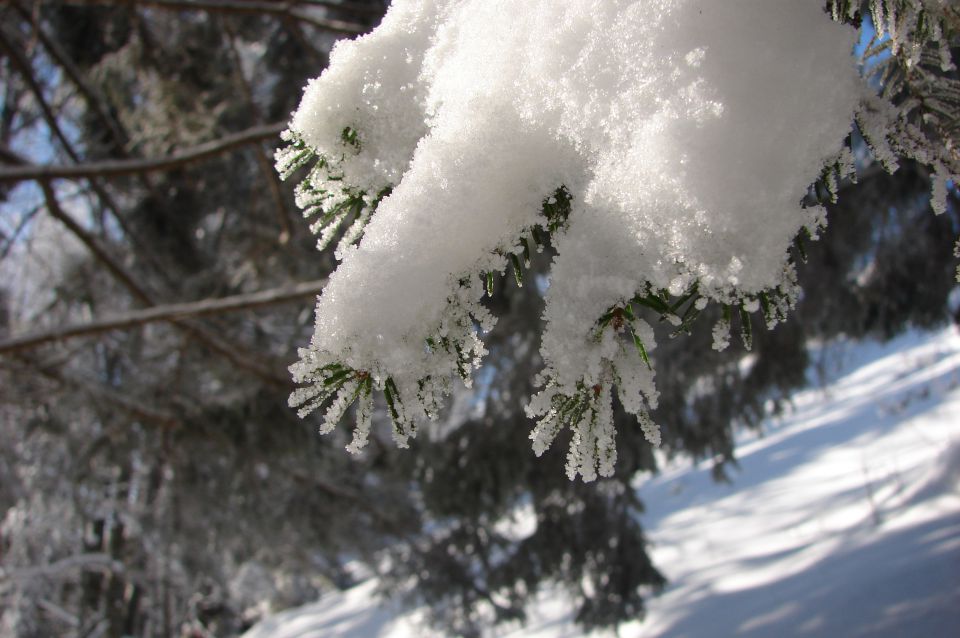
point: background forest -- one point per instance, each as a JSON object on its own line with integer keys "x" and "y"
{"x": 156, "y": 281}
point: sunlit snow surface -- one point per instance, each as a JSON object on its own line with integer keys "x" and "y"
{"x": 843, "y": 520}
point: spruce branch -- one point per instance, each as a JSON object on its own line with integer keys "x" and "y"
{"x": 323, "y": 379}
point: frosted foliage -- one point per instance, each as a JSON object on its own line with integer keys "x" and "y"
{"x": 913, "y": 38}
{"x": 686, "y": 133}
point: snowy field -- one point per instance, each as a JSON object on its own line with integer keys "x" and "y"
{"x": 842, "y": 520}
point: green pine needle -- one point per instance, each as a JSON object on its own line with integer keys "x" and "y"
{"x": 526, "y": 251}
{"x": 746, "y": 330}
{"x": 341, "y": 375}
{"x": 392, "y": 397}
{"x": 350, "y": 137}
{"x": 517, "y": 272}
{"x": 537, "y": 237}
{"x": 639, "y": 344}
{"x": 691, "y": 294}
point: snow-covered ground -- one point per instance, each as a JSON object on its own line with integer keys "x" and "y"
{"x": 842, "y": 520}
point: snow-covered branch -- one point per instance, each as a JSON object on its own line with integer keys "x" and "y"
{"x": 680, "y": 140}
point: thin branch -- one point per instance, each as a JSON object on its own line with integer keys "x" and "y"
{"x": 316, "y": 56}
{"x": 118, "y": 272}
{"x": 116, "y": 130}
{"x": 273, "y": 184}
{"x": 167, "y": 312}
{"x": 349, "y": 7}
{"x": 58, "y": 612}
{"x": 95, "y": 561}
{"x": 11, "y": 241}
{"x": 55, "y": 371}
{"x": 251, "y": 7}
{"x": 95, "y": 101}
{"x": 266, "y": 167}
{"x": 355, "y": 498}
{"x": 113, "y": 168}
{"x": 9, "y": 157}
{"x": 214, "y": 343}
{"x": 204, "y": 336}
{"x": 25, "y": 68}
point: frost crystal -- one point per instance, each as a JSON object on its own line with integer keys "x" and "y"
{"x": 666, "y": 146}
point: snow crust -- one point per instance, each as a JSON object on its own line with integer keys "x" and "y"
{"x": 686, "y": 132}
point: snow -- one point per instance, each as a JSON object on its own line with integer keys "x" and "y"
{"x": 841, "y": 521}
{"x": 687, "y": 133}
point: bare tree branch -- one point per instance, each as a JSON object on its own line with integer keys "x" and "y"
{"x": 349, "y": 7}
{"x": 25, "y": 68}
{"x": 214, "y": 343}
{"x": 94, "y": 561}
{"x": 118, "y": 272}
{"x": 8, "y": 156}
{"x": 113, "y": 168}
{"x": 135, "y": 407}
{"x": 95, "y": 101}
{"x": 252, "y": 7}
{"x": 228, "y": 350}
{"x": 266, "y": 167}
{"x": 167, "y": 312}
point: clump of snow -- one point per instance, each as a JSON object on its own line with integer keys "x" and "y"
{"x": 686, "y": 133}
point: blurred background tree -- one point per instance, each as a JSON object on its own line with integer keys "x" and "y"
{"x": 156, "y": 283}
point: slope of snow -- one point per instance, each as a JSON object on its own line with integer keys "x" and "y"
{"x": 842, "y": 520}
